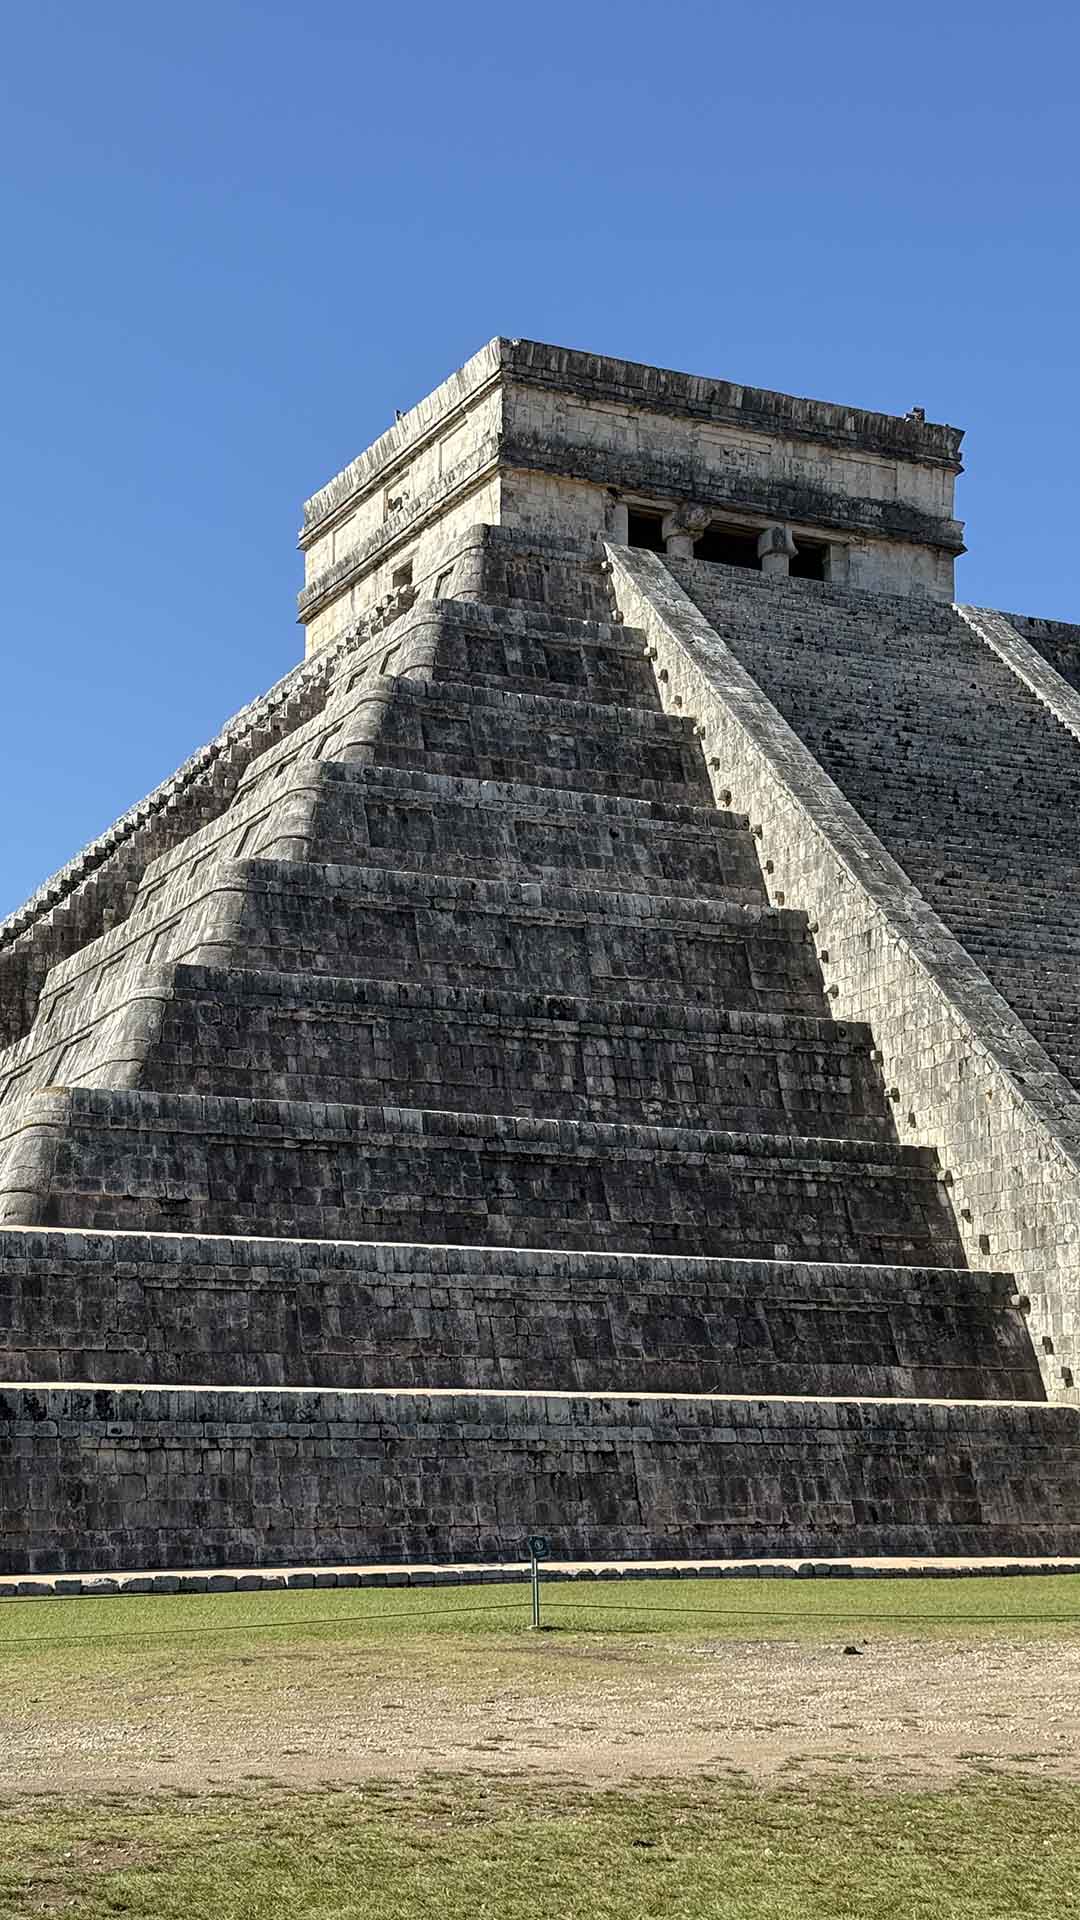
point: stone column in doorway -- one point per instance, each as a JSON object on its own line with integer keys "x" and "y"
{"x": 776, "y": 550}
{"x": 681, "y": 527}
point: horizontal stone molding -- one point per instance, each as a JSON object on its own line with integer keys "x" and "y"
{"x": 625, "y": 384}
{"x": 663, "y": 477}
{"x": 94, "y": 1586}
{"x": 671, "y": 477}
{"x": 967, "y": 1077}
{"x": 431, "y": 417}
{"x": 515, "y": 1573}
{"x": 689, "y": 396}
{"x": 397, "y": 530}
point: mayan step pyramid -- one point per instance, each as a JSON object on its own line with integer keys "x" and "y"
{"x": 428, "y": 1120}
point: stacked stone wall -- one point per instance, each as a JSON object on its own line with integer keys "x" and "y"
{"x": 99, "y": 1158}
{"x": 509, "y": 567}
{"x": 955, "y": 760}
{"x": 206, "y": 1477}
{"x": 179, "y": 1309}
{"x": 195, "y": 1477}
{"x": 537, "y": 999}
{"x": 545, "y": 440}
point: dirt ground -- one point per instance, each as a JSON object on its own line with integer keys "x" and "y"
{"x": 903, "y": 1712}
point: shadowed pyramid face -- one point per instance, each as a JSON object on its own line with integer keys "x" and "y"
{"x": 457, "y": 1056}
{"x": 490, "y": 804}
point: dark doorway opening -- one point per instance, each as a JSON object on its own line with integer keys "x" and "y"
{"x": 644, "y": 529}
{"x": 731, "y": 546}
{"x": 811, "y": 560}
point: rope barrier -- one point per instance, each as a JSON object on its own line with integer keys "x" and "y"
{"x": 240, "y": 1626}
{"x": 773, "y": 1613}
{"x": 376, "y": 1615}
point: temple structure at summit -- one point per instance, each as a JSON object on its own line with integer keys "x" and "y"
{"x": 594, "y": 1050}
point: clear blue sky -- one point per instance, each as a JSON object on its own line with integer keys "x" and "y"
{"x": 238, "y": 236}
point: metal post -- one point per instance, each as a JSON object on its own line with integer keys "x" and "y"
{"x": 539, "y": 1547}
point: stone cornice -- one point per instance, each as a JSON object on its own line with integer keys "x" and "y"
{"x": 398, "y": 529}
{"x": 650, "y": 475}
{"x": 629, "y": 383}
{"x": 401, "y": 442}
{"x": 696, "y": 397}
{"x": 657, "y": 476}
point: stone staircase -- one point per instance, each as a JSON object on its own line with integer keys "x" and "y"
{"x": 452, "y": 1142}
{"x": 961, "y": 772}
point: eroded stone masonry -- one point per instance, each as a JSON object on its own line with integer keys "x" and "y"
{"x": 593, "y": 1050}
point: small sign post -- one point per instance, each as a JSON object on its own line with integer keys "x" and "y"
{"x": 539, "y": 1548}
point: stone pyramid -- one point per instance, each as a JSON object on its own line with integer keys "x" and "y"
{"x": 451, "y": 1141}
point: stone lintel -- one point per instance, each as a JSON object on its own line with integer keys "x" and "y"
{"x": 648, "y": 478}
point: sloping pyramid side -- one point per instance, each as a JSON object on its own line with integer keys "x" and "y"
{"x": 442, "y": 1112}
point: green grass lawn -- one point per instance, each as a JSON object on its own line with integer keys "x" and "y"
{"x": 505, "y": 1850}
{"x": 743, "y": 1609}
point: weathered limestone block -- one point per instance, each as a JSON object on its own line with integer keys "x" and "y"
{"x": 510, "y": 568}
{"x": 556, "y": 445}
{"x": 520, "y": 650}
{"x": 374, "y": 923}
{"x": 276, "y": 1036}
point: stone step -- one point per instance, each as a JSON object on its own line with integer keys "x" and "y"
{"x": 175, "y": 1309}
{"x": 602, "y": 675}
{"x": 448, "y": 727}
{"x": 191, "y": 1476}
{"x": 533, "y": 573}
{"x": 372, "y": 923}
{"x": 402, "y": 818}
{"x": 521, "y": 650}
{"x": 294, "y": 1037}
{"x": 93, "y": 1157}
{"x": 963, "y": 774}
{"x": 525, "y": 619}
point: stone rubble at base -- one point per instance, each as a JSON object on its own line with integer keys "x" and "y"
{"x": 251, "y": 1580}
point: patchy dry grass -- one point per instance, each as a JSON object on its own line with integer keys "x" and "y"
{"x": 675, "y": 1679}
{"x": 503, "y": 1849}
{"x": 671, "y": 1748}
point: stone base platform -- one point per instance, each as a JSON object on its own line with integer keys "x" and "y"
{"x": 133, "y": 1476}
